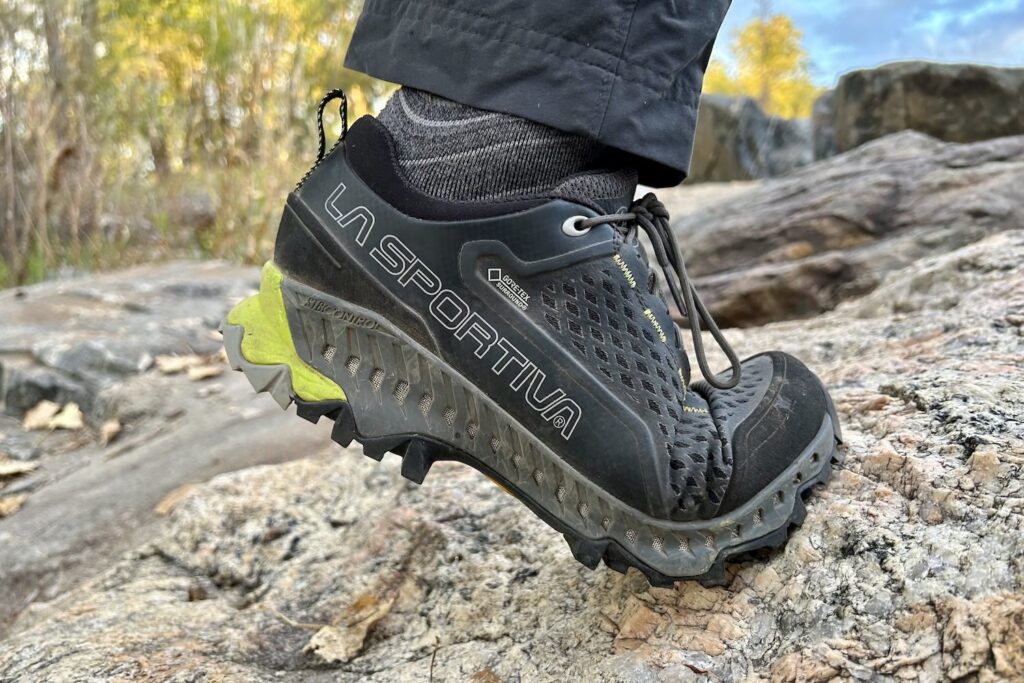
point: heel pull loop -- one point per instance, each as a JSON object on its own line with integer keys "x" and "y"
{"x": 332, "y": 95}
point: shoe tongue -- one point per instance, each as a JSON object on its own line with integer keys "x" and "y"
{"x": 605, "y": 191}
{"x": 613, "y": 204}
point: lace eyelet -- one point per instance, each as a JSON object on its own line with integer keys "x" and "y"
{"x": 569, "y": 227}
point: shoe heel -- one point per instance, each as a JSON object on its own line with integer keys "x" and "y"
{"x": 259, "y": 343}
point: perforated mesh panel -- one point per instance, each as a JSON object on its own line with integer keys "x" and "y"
{"x": 593, "y": 310}
{"x": 727, "y": 403}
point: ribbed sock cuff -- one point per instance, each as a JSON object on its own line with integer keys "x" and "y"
{"x": 451, "y": 151}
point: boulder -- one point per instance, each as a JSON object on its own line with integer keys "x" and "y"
{"x": 22, "y": 388}
{"x": 823, "y": 126}
{"x": 198, "y": 209}
{"x": 951, "y": 102}
{"x": 335, "y": 568}
{"x": 796, "y": 246}
{"x": 735, "y": 140}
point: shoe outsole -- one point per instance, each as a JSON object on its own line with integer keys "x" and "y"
{"x": 419, "y": 453}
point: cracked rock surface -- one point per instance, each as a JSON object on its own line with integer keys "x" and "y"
{"x": 909, "y": 566}
{"x": 796, "y": 246}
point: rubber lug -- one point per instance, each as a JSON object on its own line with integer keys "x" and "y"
{"x": 376, "y": 448}
{"x": 715, "y": 577}
{"x": 657, "y": 579}
{"x": 799, "y": 512}
{"x": 314, "y": 411}
{"x": 587, "y": 552}
{"x": 344, "y": 427}
{"x": 417, "y": 460}
{"x": 613, "y": 558}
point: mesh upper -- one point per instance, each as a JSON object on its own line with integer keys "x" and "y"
{"x": 593, "y": 310}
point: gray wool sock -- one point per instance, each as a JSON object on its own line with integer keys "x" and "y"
{"x": 450, "y": 151}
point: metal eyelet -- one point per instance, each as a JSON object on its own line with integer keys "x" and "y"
{"x": 569, "y": 227}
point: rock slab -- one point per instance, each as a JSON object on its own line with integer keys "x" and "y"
{"x": 951, "y": 102}
{"x": 97, "y": 342}
{"x": 794, "y": 247}
{"x": 334, "y": 568}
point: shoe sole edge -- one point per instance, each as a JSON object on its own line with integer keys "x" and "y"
{"x": 723, "y": 536}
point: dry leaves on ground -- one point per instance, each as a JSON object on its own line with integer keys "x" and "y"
{"x": 50, "y": 415}
{"x": 15, "y": 468}
{"x": 11, "y": 504}
{"x": 39, "y": 417}
{"x": 201, "y": 372}
{"x": 172, "y": 499}
{"x": 69, "y": 417}
{"x": 109, "y": 431}
{"x": 197, "y": 367}
{"x": 341, "y": 643}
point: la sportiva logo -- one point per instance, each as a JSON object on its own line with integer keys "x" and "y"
{"x": 455, "y": 315}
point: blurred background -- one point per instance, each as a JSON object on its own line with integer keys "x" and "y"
{"x": 134, "y": 131}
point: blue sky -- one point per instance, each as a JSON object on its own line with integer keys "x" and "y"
{"x": 844, "y": 35}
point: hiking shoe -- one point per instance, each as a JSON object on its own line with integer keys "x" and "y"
{"x": 529, "y": 339}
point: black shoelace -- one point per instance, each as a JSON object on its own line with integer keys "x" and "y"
{"x": 651, "y": 216}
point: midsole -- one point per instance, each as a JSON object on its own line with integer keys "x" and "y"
{"x": 396, "y": 363}
{"x": 268, "y": 338}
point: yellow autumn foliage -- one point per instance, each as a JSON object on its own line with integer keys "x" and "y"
{"x": 152, "y": 128}
{"x": 771, "y": 65}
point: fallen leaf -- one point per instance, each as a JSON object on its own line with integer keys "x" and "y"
{"x": 172, "y": 365}
{"x": 11, "y": 504}
{"x": 109, "y": 431}
{"x": 198, "y": 367}
{"x": 69, "y": 417}
{"x": 485, "y": 676}
{"x": 341, "y": 643}
{"x": 169, "y": 502}
{"x": 39, "y": 417}
{"x": 201, "y": 372}
{"x": 16, "y": 468}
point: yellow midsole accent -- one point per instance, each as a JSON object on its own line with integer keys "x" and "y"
{"x": 268, "y": 339}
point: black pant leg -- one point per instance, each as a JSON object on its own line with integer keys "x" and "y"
{"x": 627, "y": 73}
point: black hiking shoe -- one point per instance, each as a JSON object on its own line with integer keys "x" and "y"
{"x": 528, "y": 339}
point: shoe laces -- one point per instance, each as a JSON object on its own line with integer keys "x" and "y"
{"x": 651, "y": 216}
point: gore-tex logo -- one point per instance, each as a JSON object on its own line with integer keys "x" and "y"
{"x": 507, "y": 286}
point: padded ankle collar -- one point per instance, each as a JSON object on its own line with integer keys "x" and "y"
{"x": 371, "y": 154}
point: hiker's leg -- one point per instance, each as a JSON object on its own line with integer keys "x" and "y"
{"x": 625, "y": 74}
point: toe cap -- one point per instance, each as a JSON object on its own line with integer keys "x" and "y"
{"x": 777, "y": 429}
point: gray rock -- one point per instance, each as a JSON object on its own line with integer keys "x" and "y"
{"x": 68, "y": 340}
{"x": 93, "y": 360}
{"x": 16, "y": 443}
{"x": 796, "y": 246}
{"x": 823, "y": 126}
{"x": 198, "y": 210}
{"x": 334, "y": 568}
{"x": 22, "y": 388}
{"x": 735, "y": 140}
{"x": 91, "y": 341}
{"x": 951, "y": 102}
{"x": 123, "y": 231}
